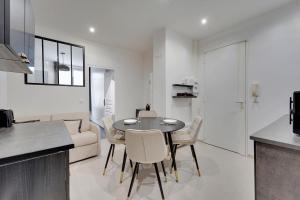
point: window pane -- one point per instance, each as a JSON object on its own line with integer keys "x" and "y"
{"x": 50, "y": 62}
{"x": 64, "y": 64}
{"x": 77, "y": 65}
{"x": 37, "y": 69}
{"x": 57, "y": 63}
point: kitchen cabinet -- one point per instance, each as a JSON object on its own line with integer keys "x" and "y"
{"x": 29, "y": 32}
{"x": 17, "y": 27}
{"x": 22, "y": 28}
{"x": 2, "y": 8}
{"x": 277, "y": 162}
{"x": 34, "y": 161}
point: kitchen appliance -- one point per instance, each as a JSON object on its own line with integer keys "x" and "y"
{"x": 295, "y": 112}
{"x": 6, "y": 118}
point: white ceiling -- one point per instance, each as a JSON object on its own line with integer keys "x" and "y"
{"x": 131, "y": 23}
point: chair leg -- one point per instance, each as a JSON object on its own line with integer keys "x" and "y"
{"x": 159, "y": 181}
{"x": 166, "y": 138}
{"x": 137, "y": 171}
{"x": 132, "y": 179}
{"x": 107, "y": 159}
{"x": 175, "y": 150}
{"x": 195, "y": 158}
{"x": 173, "y": 156}
{"x": 131, "y": 165}
{"x": 164, "y": 170}
{"x": 113, "y": 152}
{"x": 123, "y": 165}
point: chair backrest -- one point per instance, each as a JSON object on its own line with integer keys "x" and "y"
{"x": 108, "y": 126}
{"x": 195, "y": 127}
{"x": 148, "y": 113}
{"x": 145, "y": 146}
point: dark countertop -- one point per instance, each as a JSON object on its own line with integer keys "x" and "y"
{"x": 29, "y": 140}
{"x": 279, "y": 133}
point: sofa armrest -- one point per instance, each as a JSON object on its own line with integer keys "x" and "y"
{"x": 96, "y": 129}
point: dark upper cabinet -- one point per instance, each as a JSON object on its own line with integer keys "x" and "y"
{"x": 22, "y": 28}
{"x": 2, "y": 7}
{"x": 17, "y": 26}
{"x": 29, "y": 32}
{"x": 17, "y": 31}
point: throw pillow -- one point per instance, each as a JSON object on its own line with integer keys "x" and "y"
{"x": 73, "y": 126}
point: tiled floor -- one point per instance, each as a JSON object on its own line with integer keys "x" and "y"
{"x": 225, "y": 176}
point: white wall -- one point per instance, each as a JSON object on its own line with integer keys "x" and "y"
{"x": 148, "y": 74}
{"x": 273, "y": 49}
{"x": 174, "y": 59}
{"x": 180, "y": 63}
{"x": 31, "y": 99}
{"x": 3, "y": 90}
{"x": 159, "y": 72}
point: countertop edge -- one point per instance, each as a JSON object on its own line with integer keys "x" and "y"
{"x": 22, "y": 157}
{"x": 275, "y": 143}
{"x": 30, "y": 140}
{"x": 278, "y": 133}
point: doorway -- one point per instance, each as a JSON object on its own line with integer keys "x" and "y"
{"x": 102, "y": 94}
{"x": 224, "y": 97}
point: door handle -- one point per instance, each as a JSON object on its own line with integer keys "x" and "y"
{"x": 291, "y": 110}
{"x": 241, "y": 104}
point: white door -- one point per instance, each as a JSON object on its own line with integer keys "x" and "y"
{"x": 224, "y": 97}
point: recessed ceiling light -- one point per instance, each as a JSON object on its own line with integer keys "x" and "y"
{"x": 204, "y": 21}
{"x": 92, "y": 29}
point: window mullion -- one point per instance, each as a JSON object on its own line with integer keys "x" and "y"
{"x": 72, "y": 83}
{"x": 57, "y": 62}
{"x": 43, "y": 60}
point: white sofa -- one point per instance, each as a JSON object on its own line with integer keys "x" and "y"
{"x": 86, "y": 140}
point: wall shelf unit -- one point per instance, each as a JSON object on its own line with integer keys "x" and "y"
{"x": 183, "y": 85}
{"x": 185, "y": 96}
{"x": 183, "y": 91}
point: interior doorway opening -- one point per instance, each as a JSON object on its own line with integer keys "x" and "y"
{"x": 102, "y": 94}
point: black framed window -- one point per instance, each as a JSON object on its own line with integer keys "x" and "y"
{"x": 57, "y": 63}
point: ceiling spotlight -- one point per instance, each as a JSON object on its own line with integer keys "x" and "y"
{"x": 204, "y": 21}
{"x": 92, "y": 29}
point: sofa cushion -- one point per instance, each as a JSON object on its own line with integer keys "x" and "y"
{"x": 73, "y": 126}
{"x": 84, "y": 138}
{"x": 85, "y": 116}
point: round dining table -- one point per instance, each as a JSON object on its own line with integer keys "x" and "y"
{"x": 157, "y": 123}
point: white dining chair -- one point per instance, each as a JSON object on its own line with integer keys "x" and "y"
{"x": 114, "y": 137}
{"x": 147, "y": 113}
{"x": 188, "y": 137}
{"x": 146, "y": 147}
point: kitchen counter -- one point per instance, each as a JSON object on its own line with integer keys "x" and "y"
{"x": 279, "y": 133}
{"x": 277, "y": 162}
{"x": 34, "y": 161}
{"x": 24, "y": 141}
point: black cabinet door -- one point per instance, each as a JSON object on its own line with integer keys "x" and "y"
{"x": 41, "y": 178}
{"x": 17, "y": 26}
{"x": 29, "y": 31}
